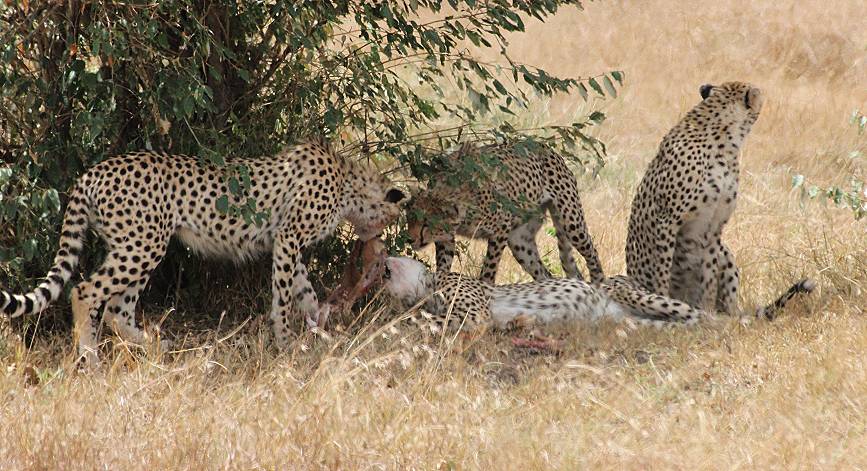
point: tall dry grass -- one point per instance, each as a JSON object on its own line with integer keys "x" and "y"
{"x": 787, "y": 394}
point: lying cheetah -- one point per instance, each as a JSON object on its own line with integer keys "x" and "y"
{"x": 474, "y": 303}
{"x": 673, "y": 246}
{"x": 456, "y": 301}
{"x": 137, "y": 202}
{"x": 533, "y": 183}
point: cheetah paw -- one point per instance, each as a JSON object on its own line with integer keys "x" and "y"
{"x": 522, "y": 322}
{"x": 318, "y": 319}
{"x": 87, "y": 360}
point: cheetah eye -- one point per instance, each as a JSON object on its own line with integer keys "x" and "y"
{"x": 705, "y": 90}
{"x": 394, "y": 195}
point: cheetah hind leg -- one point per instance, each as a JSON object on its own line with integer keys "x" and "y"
{"x": 729, "y": 282}
{"x": 646, "y": 307}
{"x": 86, "y": 323}
{"x": 567, "y": 260}
{"x": 120, "y": 316}
{"x": 112, "y": 278}
{"x": 492, "y": 259}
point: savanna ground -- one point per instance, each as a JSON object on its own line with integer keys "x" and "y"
{"x": 787, "y": 394}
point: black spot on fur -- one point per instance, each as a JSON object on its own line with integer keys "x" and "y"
{"x": 12, "y": 306}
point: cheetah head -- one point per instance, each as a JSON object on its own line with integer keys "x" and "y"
{"x": 371, "y": 201}
{"x": 407, "y": 280}
{"x": 738, "y": 101}
{"x": 431, "y": 219}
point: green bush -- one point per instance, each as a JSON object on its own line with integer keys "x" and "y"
{"x": 81, "y": 81}
{"x": 855, "y": 196}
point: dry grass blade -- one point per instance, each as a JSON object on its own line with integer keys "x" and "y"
{"x": 788, "y": 394}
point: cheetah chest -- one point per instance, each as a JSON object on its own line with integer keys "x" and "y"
{"x": 699, "y": 234}
{"x": 713, "y": 204}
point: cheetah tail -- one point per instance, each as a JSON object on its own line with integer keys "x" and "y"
{"x": 72, "y": 237}
{"x": 770, "y": 311}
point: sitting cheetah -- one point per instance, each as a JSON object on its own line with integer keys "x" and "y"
{"x": 137, "y": 202}
{"x": 533, "y": 183}
{"x": 673, "y": 246}
{"x": 466, "y": 303}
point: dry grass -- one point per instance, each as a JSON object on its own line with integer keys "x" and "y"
{"x": 788, "y": 394}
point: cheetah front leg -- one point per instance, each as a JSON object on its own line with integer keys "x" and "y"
{"x": 729, "y": 282}
{"x": 492, "y": 258}
{"x": 666, "y": 242}
{"x": 290, "y": 288}
{"x": 315, "y": 315}
{"x": 710, "y": 272}
{"x": 572, "y": 223}
{"x": 522, "y": 243}
{"x": 445, "y": 254}
{"x": 567, "y": 261}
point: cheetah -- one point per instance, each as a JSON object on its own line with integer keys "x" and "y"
{"x": 138, "y": 201}
{"x": 533, "y": 183}
{"x": 687, "y": 195}
{"x": 454, "y": 301}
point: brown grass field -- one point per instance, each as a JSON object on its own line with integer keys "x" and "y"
{"x": 791, "y": 394}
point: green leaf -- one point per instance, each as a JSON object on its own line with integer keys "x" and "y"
{"x": 595, "y": 86}
{"x": 583, "y": 91}
{"x": 51, "y": 200}
{"x": 234, "y": 186}
{"x": 610, "y": 87}
{"x": 5, "y": 174}
{"x": 187, "y": 105}
{"x": 223, "y": 204}
{"x": 479, "y": 101}
{"x": 474, "y": 37}
{"x": 29, "y": 248}
{"x": 797, "y": 181}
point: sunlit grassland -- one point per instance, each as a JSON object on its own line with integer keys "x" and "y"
{"x": 787, "y": 394}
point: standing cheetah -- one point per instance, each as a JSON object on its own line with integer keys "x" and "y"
{"x": 455, "y": 301}
{"x": 674, "y": 245}
{"x": 137, "y": 202}
{"x": 533, "y": 183}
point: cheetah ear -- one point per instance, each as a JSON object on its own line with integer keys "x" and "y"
{"x": 753, "y": 99}
{"x": 705, "y": 90}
